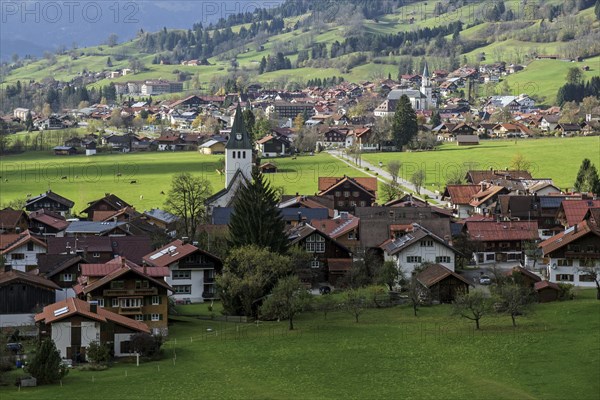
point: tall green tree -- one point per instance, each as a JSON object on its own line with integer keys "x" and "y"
{"x": 46, "y": 366}
{"x": 29, "y": 121}
{"x": 249, "y": 121}
{"x": 405, "y": 126}
{"x": 574, "y": 75}
{"x": 587, "y": 178}
{"x": 256, "y": 219}
{"x": 436, "y": 119}
{"x": 249, "y": 274}
{"x": 186, "y": 200}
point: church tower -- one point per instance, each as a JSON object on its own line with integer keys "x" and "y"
{"x": 426, "y": 87}
{"x": 238, "y": 150}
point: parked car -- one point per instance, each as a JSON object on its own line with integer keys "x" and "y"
{"x": 485, "y": 280}
{"x": 324, "y": 290}
{"x": 15, "y": 348}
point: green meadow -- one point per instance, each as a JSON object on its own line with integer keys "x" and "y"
{"x": 556, "y": 158}
{"x": 553, "y": 353}
{"x": 88, "y": 178}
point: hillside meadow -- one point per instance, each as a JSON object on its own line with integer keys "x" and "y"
{"x": 88, "y": 178}
{"x": 556, "y": 158}
{"x": 553, "y": 353}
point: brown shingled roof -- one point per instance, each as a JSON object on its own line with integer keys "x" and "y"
{"x": 76, "y": 306}
{"x": 435, "y": 273}
{"x": 326, "y": 183}
{"x": 462, "y": 194}
{"x": 14, "y": 275}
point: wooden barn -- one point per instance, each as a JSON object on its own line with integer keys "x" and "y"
{"x": 547, "y": 291}
{"x": 268, "y": 168}
{"x": 64, "y": 151}
{"x": 443, "y": 284}
{"x": 24, "y": 293}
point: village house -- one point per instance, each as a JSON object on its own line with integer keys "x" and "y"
{"x": 330, "y": 261}
{"x": 109, "y": 202}
{"x": 349, "y": 193}
{"x": 192, "y": 271}
{"x": 412, "y": 245}
{"x": 573, "y": 254}
{"x": 101, "y": 249}
{"x": 125, "y": 288}
{"x": 86, "y": 322}
{"x": 13, "y": 221}
{"x": 47, "y": 223}
{"x": 20, "y": 250}
{"x": 343, "y": 228}
{"x": 500, "y": 241}
{"x": 273, "y": 146}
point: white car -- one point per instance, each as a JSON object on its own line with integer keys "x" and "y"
{"x": 485, "y": 280}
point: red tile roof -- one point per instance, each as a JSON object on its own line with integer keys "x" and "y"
{"x": 568, "y": 236}
{"x": 462, "y": 194}
{"x": 337, "y": 227}
{"x": 483, "y": 231}
{"x": 12, "y": 241}
{"x": 76, "y": 306}
{"x": 169, "y": 254}
{"x": 10, "y": 218}
{"x": 119, "y": 272}
{"x": 55, "y": 222}
{"x": 575, "y": 210}
{"x": 99, "y": 270}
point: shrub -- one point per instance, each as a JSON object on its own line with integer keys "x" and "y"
{"x": 98, "y": 353}
{"x": 147, "y": 345}
{"x": 46, "y": 366}
{"x": 566, "y": 291}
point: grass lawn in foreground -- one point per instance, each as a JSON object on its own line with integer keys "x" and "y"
{"x": 552, "y": 354}
{"x": 555, "y": 158}
{"x": 88, "y": 178}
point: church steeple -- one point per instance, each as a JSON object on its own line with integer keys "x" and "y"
{"x": 239, "y": 137}
{"x": 238, "y": 150}
{"x": 426, "y": 71}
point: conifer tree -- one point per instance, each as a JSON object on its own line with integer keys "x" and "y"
{"x": 46, "y": 365}
{"x": 405, "y": 125}
{"x": 256, "y": 219}
{"x": 587, "y": 178}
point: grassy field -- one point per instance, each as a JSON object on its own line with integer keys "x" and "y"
{"x": 552, "y": 354}
{"x": 556, "y": 158}
{"x": 88, "y": 178}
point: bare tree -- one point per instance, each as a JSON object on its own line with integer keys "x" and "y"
{"x": 418, "y": 179}
{"x": 186, "y": 200}
{"x": 514, "y": 299}
{"x": 590, "y": 269}
{"x": 355, "y": 302}
{"x": 393, "y": 168}
{"x": 417, "y": 294}
{"x": 472, "y": 306}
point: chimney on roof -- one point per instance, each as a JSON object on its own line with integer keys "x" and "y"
{"x": 575, "y": 228}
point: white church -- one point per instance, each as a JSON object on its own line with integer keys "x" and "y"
{"x": 421, "y": 99}
{"x": 239, "y": 162}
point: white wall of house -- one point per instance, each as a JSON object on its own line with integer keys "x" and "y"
{"x": 568, "y": 274}
{"x": 61, "y": 335}
{"x": 90, "y": 332}
{"x": 426, "y": 254}
{"x": 195, "y": 282}
{"x": 63, "y": 294}
{"x": 13, "y": 258}
{"x": 119, "y": 338}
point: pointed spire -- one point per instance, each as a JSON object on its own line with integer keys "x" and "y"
{"x": 239, "y": 137}
{"x": 426, "y": 71}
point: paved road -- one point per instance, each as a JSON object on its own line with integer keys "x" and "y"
{"x": 383, "y": 173}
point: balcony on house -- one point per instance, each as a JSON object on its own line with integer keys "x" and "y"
{"x": 130, "y": 292}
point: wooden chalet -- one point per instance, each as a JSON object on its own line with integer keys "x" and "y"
{"x": 13, "y": 221}
{"x": 330, "y": 262}
{"x": 50, "y": 201}
{"x": 127, "y": 289}
{"x": 109, "y": 202}
{"x": 349, "y": 193}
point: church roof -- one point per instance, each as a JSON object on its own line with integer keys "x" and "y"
{"x": 238, "y": 128}
{"x": 426, "y": 71}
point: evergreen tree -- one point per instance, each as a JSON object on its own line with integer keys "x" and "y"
{"x": 249, "y": 121}
{"x": 29, "y": 121}
{"x": 263, "y": 65}
{"x": 109, "y": 63}
{"x": 405, "y": 125}
{"x": 46, "y": 365}
{"x": 587, "y": 178}
{"x": 256, "y": 219}
{"x": 436, "y": 120}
